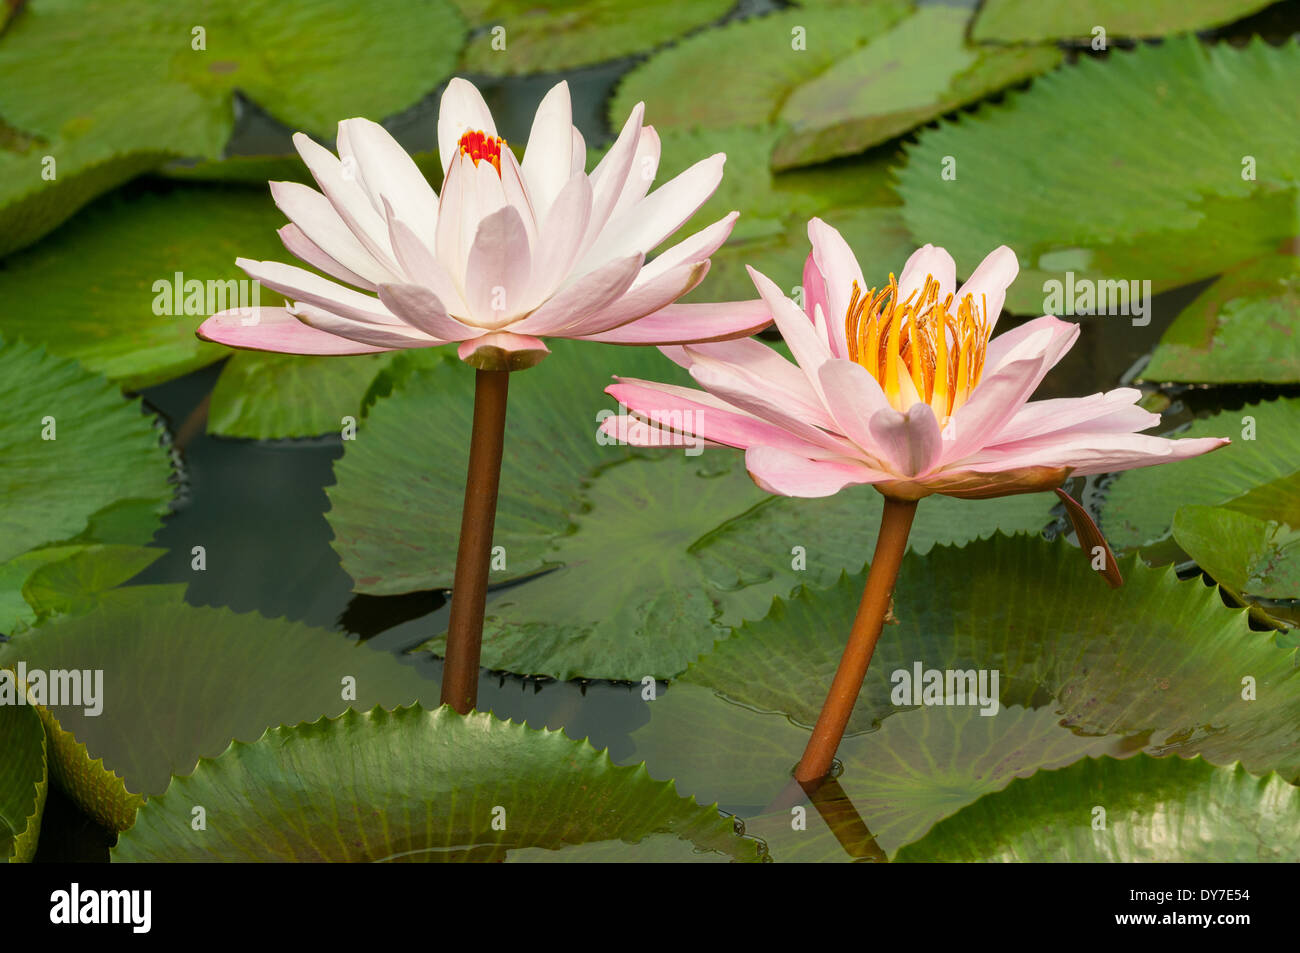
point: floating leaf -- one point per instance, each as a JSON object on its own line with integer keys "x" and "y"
{"x": 24, "y": 780}
{"x": 1155, "y": 665}
{"x": 1140, "y": 504}
{"x": 920, "y": 69}
{"x": 72, "y": 585}
{"x": 563, "y": 34}
{"x": 642, "y": 558}
{"x": 164, "y": 74}
{"x": 1018, "y": 21}
{"x": 180, "y": 682}
{"x": 760, "y": 58}
{"x": 272, "y": 396}
{"x": 1190, "y": 146}
{"x": 1158, "y": 810}
{"x": 1241, "y": 329}
{"x": 70, "y": 446}
{"x": 435, "y": 786}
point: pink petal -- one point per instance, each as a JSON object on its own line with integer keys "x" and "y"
{"x": 349, "y": 200}
{"x": 610, "y": 175}
{"x": 910, "y": 442}
{"x": 647, "y": 223}
{"x": 1113, "y": 411}
{"x": 640, "y": 300}
{"x": 560, "y": 237}
{"x": 691, "y": 323}
{"x": 810, "y": 350}
{"x": 927, "y": 260}
{"x": 739, "y": 390}
{"x": 275, "y": 329}
{"x": 1010, "y": 344}
{"x": 692, "y": 250}
{"x": 548, "y": 155}
{"x": 814, "y": 299}
{"x": 786, "y": 474}
{"x": 304, "y": 249}
{"x": 1092, "y": 453}
{"x": 503, "y": 351}
{"x": 645, "y": 164}
{"x": 302, "y": 285}
{"x": 989, "y": 283}
{"x": 386, "y": 336}
{"x": 710, "y": 418}
{"x": 498, "y": 269}
{"x": 318, "y": 221}
{"x": 391, "y": 176}
{"x": 583, "y": 298}
{"x": 756, "y": 358}
{"x": 420, "y": 308}
{"x": 838, "y": 267}
{"x": 419, "y": 265}
{"x": 462, "y": 110}
{"x": 853, "y": 397}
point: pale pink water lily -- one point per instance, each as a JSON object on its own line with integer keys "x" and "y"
{"x": 509, "y": 253}
{"x": 904, "y": 388}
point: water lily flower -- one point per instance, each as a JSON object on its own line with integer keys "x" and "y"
{"x": 508, "y": 254}
{"x": 904, "y": 388}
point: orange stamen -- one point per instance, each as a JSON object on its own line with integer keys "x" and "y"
{"x": 480, "y": 146}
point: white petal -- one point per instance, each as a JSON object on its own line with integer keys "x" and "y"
{"x": 389, "y": 174}
{"x": 320, "y": 222}
{"x": 549, "y": 154}
{"x": 497, "y": 272}
{"x": 462, "y": 110}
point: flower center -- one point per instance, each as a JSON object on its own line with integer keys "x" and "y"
{"x": 478, "y": 145}
{"x": 918, "y": 349}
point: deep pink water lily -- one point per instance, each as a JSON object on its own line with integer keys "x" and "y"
{"x": 904, "y": 388}
{"x": 508, "y": 254}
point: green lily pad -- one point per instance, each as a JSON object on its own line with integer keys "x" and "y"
{"x": 563, "y": 34}
{"x": 102, "y": 452}
{"x": 920, "y": 69}
{"x": 1156, "y": 665}
{"x": 164, "y": 74}
{"x": 272, "y": 396}
{"x": 1229, "y": 196}
{"x": 1140, "y": 504}
{"x": 1276, "y": 500}
{"x": 37, "y": 197}
{"x": 24, "y": 781}
{"x": 1257, "y": 561}
{"x": 73, "y": 584}
{"x": 641, "y": 559}
{"x": 435, "y": 786}
{"x": 1241, "y": 329}
{"x": 127, "y": 319}
{"x": 1157, "y": 810}
{"x": 180, "y": 683}
{"x": 760, "y": 60}
{"x": 1019, "y": 21}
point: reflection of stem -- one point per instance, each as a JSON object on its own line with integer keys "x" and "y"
{"x": 895, "y": 523}
{"x": 845, "y": 822}
{"x": 473, "y": 557}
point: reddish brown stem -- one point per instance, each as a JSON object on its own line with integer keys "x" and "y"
{"x": 474, "y": 555}
{"x": 895, "y": 524}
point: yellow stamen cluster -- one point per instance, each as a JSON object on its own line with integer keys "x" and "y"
{"x": 918, "y": 349}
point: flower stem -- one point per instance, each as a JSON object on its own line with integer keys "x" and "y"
{"x": 895, "y": 523}
{"x": 474, "y": 555}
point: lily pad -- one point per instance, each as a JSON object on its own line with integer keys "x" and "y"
{"x": 1199, "y": 178}
{"x": 24, "y": 781}
{"x": 761, "y": 59}
{"x": 920, "y": 69}
{"x": 1241, "y": 329}
{"x": 165, "y": 74}
{"x": 272, "y": 396}
{"x": 436, "y": 786}
{"x": 1157, "y": 665}
{"x": 1019, "y": 21}
{"x": 1157, "y": 810}
{"x": 1140, "y": 504}
{"x": 641, "y": 559}
{"x": 563, "y": 34}
{"x": 180, "y": 683}
{"x": 72, "y": 447}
